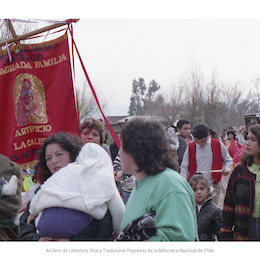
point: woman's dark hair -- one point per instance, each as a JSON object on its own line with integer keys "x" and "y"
{"x": 146, "y": 141}
{"x": 92, "y": 123}
{"x": 248, "y": 159}
{"x": 250, "y": 124}
{"x": 233, "y": 133}
{"x": 213, "y": 133}
{"x": 68, "y": 142}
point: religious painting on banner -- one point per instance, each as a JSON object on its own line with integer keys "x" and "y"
{"x": 37, "y": 98}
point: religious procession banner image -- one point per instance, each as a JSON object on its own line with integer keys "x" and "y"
{"x": 36, "y": 98}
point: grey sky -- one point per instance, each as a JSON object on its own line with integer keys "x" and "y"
{"x": 116, "y": 51}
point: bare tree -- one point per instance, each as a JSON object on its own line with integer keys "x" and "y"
{"x": 255, "y": 99}
{"x": 87, "y": 104}
{"x": 173, "y": 104}
{"x": 215, "y": 103}
{"x": 195, "y": 95}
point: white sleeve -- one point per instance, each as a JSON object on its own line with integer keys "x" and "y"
{"x": 227, "y": 159}
{"x": 184, "y": 167}
{"x": 35, "y": 203}
{"x": 116, "y": 208}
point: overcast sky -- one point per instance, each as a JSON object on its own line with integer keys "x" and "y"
{"x": 116, "y": 51}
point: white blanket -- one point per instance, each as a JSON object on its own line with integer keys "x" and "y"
{"x": 90, "y": 176}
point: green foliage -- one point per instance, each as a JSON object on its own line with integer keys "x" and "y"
{"x": 142, "y": 97}
{"x": 213, "y": 103}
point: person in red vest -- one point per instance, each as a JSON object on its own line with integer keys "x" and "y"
{"x": 208, "y": 156}
{"x": 233, "y": 144}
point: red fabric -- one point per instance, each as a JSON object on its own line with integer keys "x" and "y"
{"x": 234, "y": 147}
{"x": 216, "y": 159}
{"x": 192, "y": 158}
{"x": 188, "y": 141}
{"x": 37, "y": 97}
{"x": 238, "y": 154}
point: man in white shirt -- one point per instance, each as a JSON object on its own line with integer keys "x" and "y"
{"x": 208, "y": 156}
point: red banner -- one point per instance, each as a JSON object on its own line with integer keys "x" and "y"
{"x": 36, "y": 99}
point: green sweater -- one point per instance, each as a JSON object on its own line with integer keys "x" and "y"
{"x": 172, "y": 198}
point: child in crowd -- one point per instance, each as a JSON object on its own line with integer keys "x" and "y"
{"x": 232, "y": 143}
{"x": 209, "y": 215}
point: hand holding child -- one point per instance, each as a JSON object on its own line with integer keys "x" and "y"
{"x": 30, "y": 219}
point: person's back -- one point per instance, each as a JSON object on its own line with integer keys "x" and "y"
{"x": 146, "y": 154}
{"x": 164, "y": 190}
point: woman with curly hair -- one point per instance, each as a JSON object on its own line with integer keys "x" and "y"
{"x": 93, "y": 131}
{"x": 162, "y": 202}
{"x": 69, "y": 204}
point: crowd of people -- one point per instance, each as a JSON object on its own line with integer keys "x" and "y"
{"x": 162, "y": 184}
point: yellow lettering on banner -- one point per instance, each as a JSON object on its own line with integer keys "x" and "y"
{"x": 38, "y": 64}
{"x": 22, "y": 146}
{"x": 63, "y": 57}
{"x": 29, "y": 142}
{"x": 32, "y": 129}
{"x": 17, "y": 66}
{"x": 35, "y": 141}
{"x": 49, "y": 62}
{"x": 17, "y": 133}
{"x": 25, "y": 65}
{"x": 12, "y": 67}
{"x": 23, "y": 130}
{"x": 15, "y": 146}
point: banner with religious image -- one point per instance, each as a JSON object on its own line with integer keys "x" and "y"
{"x": 36, "y": 98}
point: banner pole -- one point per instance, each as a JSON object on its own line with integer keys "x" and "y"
{"x": 14, "y": 34}
{"x": 38, "y": 31}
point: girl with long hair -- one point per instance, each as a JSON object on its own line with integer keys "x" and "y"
{"x": 241, "y": 209}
